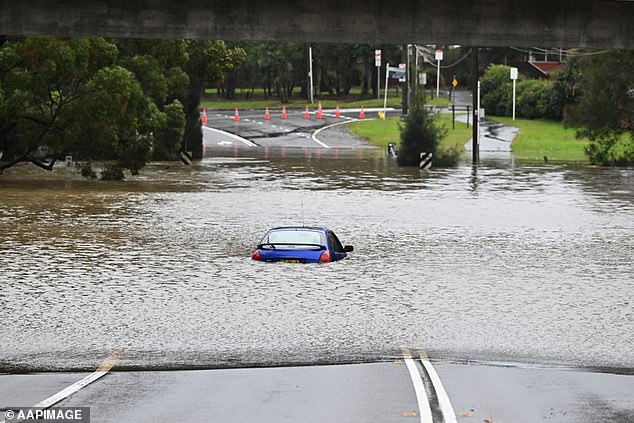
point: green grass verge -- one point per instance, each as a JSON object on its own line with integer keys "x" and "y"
{"x": 538, "y": 138}
{"x": 381, "y": 132}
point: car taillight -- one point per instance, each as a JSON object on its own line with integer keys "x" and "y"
{"x": 256, "y": 255}
{"x": 325, "y": 257}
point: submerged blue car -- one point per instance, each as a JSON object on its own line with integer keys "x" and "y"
{"x": 300, "y": 244}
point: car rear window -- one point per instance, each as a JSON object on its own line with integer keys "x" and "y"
{"x": 294, "y": 237}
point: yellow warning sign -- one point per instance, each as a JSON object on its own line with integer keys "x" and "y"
{"x": 454, "y": 82}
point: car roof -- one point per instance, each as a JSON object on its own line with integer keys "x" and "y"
{"x": 300, "y": 228}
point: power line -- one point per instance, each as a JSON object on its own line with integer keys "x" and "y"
{"x": 425, "y": 55}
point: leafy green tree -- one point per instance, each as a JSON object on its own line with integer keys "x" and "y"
{"x": 115, "y": 122}
{"x": 605, "y": 107}
{"x": 43, "y": 79}
{"x": 496, "y": 90}
{"x": 167, "y": 139}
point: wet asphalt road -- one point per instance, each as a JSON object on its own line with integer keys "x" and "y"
{"x": 253, "y": 130}
{"x": 371, "y": 392}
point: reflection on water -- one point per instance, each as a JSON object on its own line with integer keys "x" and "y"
{"x": 527, "y": 263}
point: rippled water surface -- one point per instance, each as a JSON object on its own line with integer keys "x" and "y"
{"x": 506, "y": 262}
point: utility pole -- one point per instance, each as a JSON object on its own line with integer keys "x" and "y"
{"x": 310, "y": 74}
{"x": 475, "y": 90}
{"x": 405, "y": 57}
{"x": 377, "y": 62}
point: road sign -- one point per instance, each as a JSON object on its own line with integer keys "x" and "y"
{"x": 454, "y": 83}
{"x": 422, "y": 78}
{"x": 403, "y": 77}
{"x": 439, "y": 54}
{"x": 396, "y": 73}
{"x": 377, "y": 58}
{"x": 513, "y": 73}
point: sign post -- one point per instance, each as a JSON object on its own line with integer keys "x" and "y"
{"x": 387, "y": 80}
{"x": 310, "y": 74}
{"x": 377, "y": 63}
{"x": 439, "y": 55}
{"x": 399, "y": 73}
{"x": 514, "y": 78}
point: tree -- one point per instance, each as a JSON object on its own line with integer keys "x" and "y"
{"x": 169, "y": 134}
{"x": 497, "y": 90}
{"x": 604, "y": 110}
{"x": 207, "y": 64}
{"x": 115, "y": 122}
{"x": 42, "y": 80}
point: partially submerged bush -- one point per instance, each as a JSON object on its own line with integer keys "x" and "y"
{"x": 609, "y": 147}
{"x": 419, "y": 134}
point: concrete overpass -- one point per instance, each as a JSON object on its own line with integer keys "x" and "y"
{"x": 556, "y": 23}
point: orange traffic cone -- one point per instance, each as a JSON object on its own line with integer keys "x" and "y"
{"x": 337, "y": 113}
{"x": 362, "y": 114}
{"x": 284, "y": 115}
{"x": 236, "y": 115}
{"x": 319, "y": 111}
{"x": 203, "y": 119}
{"x": 267, "y": 116}
{"x": 306, "y": 115}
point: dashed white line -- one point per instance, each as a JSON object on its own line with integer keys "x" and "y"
{"x": 421, "y": 396}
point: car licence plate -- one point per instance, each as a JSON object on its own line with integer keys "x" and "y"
{"x": 290, "y": 260}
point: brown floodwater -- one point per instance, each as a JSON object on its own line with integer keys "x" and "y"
{"x": 506, "y": 262}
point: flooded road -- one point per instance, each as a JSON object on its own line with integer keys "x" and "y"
{"x": 501, "y": 263}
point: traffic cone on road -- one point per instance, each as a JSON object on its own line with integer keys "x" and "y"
{"x": 319, "y": 111}
{"x": 236, "y": 115}
{"x": 337, "y": 113}
{"x": 362, "y": 114}
{"x": 267, "y": 116}
{"x": 203, "y": 118}
{"x": 284, "y": 115}
{"x": 306, "y": 115}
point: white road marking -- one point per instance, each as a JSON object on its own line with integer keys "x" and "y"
{"x": 68, "y": 391}
{"x": 230, "y": 135}
{"x": 314, "y": 136}
{"x": 443, "y": 399}
{"x": 424, "y": 410}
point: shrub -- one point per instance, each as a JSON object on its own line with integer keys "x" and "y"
{"x": 609, "y": 147}
{"x": 419, "y": 134}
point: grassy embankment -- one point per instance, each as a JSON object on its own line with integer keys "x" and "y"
{"x": 536, "y": 139}
{"x": 354, "y": 100}
{"x": 381, "y": 132}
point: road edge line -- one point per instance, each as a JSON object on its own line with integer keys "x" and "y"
{"x": 424, "y": 409}
{"x": 314, "y": 135}
{"x": 448, "y": 413}
{"x": 230, "y": 135}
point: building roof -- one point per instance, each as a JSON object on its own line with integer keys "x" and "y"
{"x": 546, "y": 68}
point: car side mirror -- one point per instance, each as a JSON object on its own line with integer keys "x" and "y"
{"x": 348, "y": 248}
